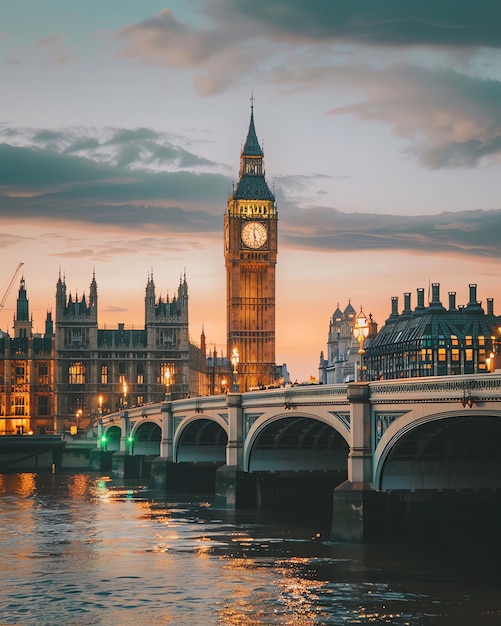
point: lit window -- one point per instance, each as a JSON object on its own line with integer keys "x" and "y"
{"x": 77, "y": 374}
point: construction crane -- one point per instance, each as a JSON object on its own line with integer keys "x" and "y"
{"x": 9, "y": 286}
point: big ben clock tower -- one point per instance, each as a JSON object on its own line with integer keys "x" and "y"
{"x": 250, "y": 229}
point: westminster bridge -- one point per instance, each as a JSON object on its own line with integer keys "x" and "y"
{"x": 407, "y": 447}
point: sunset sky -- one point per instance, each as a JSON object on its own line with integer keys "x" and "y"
{"x": 121, "y": 124}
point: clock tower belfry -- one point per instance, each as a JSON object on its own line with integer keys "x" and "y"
{"x": 250, "y": 252}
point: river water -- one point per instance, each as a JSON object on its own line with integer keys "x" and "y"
{"x": 81, "y": 549}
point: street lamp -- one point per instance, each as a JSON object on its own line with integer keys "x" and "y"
{"x": 223, "y": 385}
{"x": 489, "y": 361}
{"x": 78, "y": 415}
{"x": 235, "y": 359}
{"x": 101, "y": 437}
{"x": 167, "y": 383}
{"x": 124, "y": 389}
{"x": 360, "y": 332}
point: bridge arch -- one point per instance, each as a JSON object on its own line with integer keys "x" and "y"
{"x": 201, "y": 438}
{"x": 448, "y": 450}
{"x": 112, "y": 436}
{"x": 299, "y": 441}
{"x": 147, "y": 436}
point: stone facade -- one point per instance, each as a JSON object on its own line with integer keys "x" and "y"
{"x": 75, "y": 372}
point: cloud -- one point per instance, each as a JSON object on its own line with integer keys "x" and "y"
{"x": 466, "y": 233}
{"x": 45, "y": 183}
{"x": 456, "y": 23}
{"x": 372, "y": 53}
{"x": 451, "y": 119}
{"x": 49, "y": 51}
{"x": 129, "y": 179}
{"x": 166, "y": 41}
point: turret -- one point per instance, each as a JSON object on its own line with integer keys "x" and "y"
{"x": 22, "y": 323}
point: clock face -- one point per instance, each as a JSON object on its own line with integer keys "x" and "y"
{"x": 254, "y": 234}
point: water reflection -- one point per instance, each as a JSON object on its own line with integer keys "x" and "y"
{"x": 81, "y": 549}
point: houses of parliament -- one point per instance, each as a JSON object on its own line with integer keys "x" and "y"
{"x": 67, "y": 377}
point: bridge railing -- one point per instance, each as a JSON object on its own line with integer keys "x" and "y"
{"x": 437, "y": 388}
{"x": 313, "y": 395}
{"x": 476, "y": 388}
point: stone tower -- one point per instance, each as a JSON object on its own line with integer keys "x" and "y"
{"x": 250, "y": 230}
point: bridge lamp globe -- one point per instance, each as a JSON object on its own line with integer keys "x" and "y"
{"x": 124, "y": 389}
{"x": 235, "y": 359}
{"x": 361, "y": 332}
{"x": 167, "y": 382}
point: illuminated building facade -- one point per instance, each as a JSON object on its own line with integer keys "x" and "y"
{"x": 75, "y": 372}
{"x": 434, "y": 340}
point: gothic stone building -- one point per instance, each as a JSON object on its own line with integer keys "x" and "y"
{"x": 77, "y": 371}
{"x": 342, "y": 359}
{"x": 26, "y": 372}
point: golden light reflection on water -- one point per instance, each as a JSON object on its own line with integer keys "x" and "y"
{"x": 203, "y": 546}
{"x": 299, "y": 593}
{"x": 27, "y": 484}
{"x": 297, "y": 597}
{"x": 78, "y": 485}
{"x": 367, "y": 617}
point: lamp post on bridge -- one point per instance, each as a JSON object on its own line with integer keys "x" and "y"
{"x": 124, "y": 389}
{"x": 235, "y": 359}
{"x": 167, "y": 383}
{"x": 360, "y": 332}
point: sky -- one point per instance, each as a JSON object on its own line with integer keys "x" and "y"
{"x": 121, "y": 125}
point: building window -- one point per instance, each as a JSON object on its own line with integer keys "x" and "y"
{"x": 481, "y": 358}
{"x": 455, "y": 355}
{"x": 166, "y": 337}
{"x": 77, "y": 374}
{"x": 442, "y": 355}
{"x": 426, "y": 354}
{"x": 468, "y": 354}
{"x": 468, "y": 341}
{"x": 76, "y": 337}
{"x": 43, "y": 374}
{"x": 454, "y": 340}
{"x": 481, "y": 340}
{"x": 19, "y": 373}
{"x": 18, "y": 405}
{"x": 104, "y": 374}
{"x": 140, "y": 379}
{"x": 43, "y": 405}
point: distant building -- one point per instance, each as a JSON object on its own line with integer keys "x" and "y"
{"x": 26, "y": 372}
{"x": 75, "y": 372}
{"x": 434, "y": 341}
{"x": 342, "y": 359}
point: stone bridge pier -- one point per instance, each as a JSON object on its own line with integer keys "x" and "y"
{"x": 358, "y": 511}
